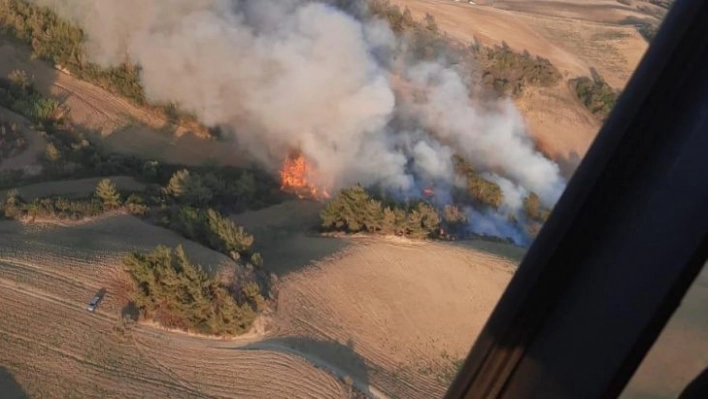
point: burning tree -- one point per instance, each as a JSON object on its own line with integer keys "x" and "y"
{"x": 297, "y": 176}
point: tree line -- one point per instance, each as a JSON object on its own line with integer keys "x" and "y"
{"x": 61, "y": 43}
{"x": 167, "y": 287}
{"x": 358, "y": 209}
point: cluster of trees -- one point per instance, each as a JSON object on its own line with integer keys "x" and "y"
{"x": 215, "y": 231}
{"x": 503, "y": 70}
{"x": 353, "y": 210}
{"x": 18, "y": 93}
{"x": 61, "y": 42}
{"x": 479, "y": 191}
{"x": 508, "y": 72}
{"x": 597, "y": 96}
{"x": 106, "y": 198}
{"x": 177, "y": 293}
{"x": 12, "y": 141}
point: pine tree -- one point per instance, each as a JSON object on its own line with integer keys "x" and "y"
{"x": 106, "y": 192}
{"x": 189, "y": 188}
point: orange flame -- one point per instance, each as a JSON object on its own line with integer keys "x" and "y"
{"x": 428, "y": 192}
{"x": 295, "y": 177}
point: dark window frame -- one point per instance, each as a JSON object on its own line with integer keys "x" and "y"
{"x": 622, "y": 246}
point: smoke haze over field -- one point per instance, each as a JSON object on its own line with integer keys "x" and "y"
{"x": 303, "y": 74}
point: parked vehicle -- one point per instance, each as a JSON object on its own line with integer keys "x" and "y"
{"x": 96, "y": 300}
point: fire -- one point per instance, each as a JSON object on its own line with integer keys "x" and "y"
{"x": 296, "y": 176}
{"x": 428, "y": 192}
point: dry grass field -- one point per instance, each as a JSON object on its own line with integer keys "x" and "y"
{"x": 54, "y": 348}
{"x": 393, "y": 315}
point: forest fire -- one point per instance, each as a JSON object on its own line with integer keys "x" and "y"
{"x": 428, "y": 192}
{"x": 296, "y": 176}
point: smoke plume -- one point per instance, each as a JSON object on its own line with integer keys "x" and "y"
{"x": 304, "y": 74}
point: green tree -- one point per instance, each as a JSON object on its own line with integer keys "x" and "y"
{"x": 107, "y": 193}
{"x": 226, "y": 236}
{"x": 179, "y": 294}
{"x": 189, "y": 188}
{"x": 352, "y": 210}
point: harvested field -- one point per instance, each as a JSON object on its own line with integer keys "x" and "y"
{"x": 53, "y": 347}
{"x": 78, "y": 188}
{"x": 394, "y": 313}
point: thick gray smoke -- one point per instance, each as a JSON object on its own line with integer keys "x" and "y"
{"x": 302, "y": 74}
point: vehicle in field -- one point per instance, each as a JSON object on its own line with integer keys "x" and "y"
{"x": 96, "y": 300}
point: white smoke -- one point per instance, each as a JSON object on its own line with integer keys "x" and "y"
{"x": 302, "y": 74}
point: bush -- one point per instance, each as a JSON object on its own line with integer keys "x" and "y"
{"x": 179, "y": 294}
{"x": 596, "y": 94}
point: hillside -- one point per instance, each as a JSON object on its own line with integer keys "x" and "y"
{"x": 573, "y": 35}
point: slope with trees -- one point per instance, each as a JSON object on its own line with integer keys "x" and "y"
{"x": 176, "y": 293}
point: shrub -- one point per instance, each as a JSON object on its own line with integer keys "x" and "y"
{"x": 179, "y": 294}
